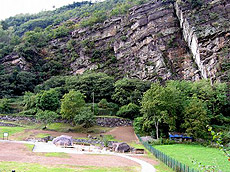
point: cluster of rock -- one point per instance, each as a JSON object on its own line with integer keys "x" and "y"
{"x": 8, "y": 124}
{"x": 94, "y": 142}
{"x": 17, "y": 118}
{"x": 64, "y": 140}
{"x": 113, "y": 122}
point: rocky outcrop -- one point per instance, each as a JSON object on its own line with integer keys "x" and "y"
{"x": 206, "y": 29}
{"x": 159, "y": 40}
{"x": 146, "y": 44}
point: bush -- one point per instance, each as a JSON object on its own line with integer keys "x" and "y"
{"x": 29, "y": 112}
{"x": 162, "y": 141}
{"x": 48, "y": 100}
{"x": 46, "y": 117}
{"x": 137, "y": 125}
{"x": 130, "y": 111}
{"x": 103, "y": 104}
{"x": 85, "y": 117}
{"x": 4, "y": 105}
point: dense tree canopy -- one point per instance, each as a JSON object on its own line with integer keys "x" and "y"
{"x": 99, "y": 85}
{"x": 71, "y": 104}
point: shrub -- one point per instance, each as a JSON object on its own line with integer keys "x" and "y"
{"x": 103, "y": 104}
{"x": 85, "y": 117}
{"x": 130, "y": 111}
{"x": 4, "y": 105}
{"x": 46, "y": 117}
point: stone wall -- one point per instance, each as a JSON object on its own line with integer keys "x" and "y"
{"x": 113, "y": 122}
{"x": 101, "y": 121}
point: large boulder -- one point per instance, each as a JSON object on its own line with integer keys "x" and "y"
{"x": 63, "y": 140}
{"x": 121, "y": 147}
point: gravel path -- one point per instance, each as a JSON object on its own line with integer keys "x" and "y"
{"x": 102, "y": 160}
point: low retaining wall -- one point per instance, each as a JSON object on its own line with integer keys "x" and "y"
{"x": 101, "y": 121}
{"x": 113, "y": 122}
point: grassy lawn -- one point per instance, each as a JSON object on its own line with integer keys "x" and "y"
{"x": 32, "y": 167}
{"x": 11, "y": 130}
{"x": 204, "y": 155}
{"x": 160, "y": 167}
{"x": 63, "y": 127}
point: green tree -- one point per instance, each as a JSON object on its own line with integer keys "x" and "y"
{"x": 29, "y": 100}
{"x": 4, "y": 105}
{"x": 85, "y": 117}
{"x": 71, "y": 104}
{"x": 48, "y": 100}
{"x": 130, "y": 111}
{"x": 159, "y": 104}
{"x": 46, "y": 117}
{"x": 196, "y": 118}
{"x": 129, "y": 91}
{"x": 99, "y": 84}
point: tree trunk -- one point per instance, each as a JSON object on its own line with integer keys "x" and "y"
{"x": 157, "y": 129}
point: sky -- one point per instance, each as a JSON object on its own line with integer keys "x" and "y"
{"x": 12, "y": 7}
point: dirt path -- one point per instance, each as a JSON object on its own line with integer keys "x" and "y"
{"x": 20, "y": 153}
{"x": 125, "y": 134}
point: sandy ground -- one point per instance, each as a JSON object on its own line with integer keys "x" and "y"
{"x": 20, "y": 153}
{"x": 125, "y": 134}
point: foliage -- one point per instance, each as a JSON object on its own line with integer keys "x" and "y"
{"x": 160, "y": 104}
{"x": 178, "y": 105}
{"x": 196, "y": 3}
{"x": 29, "y": 100}
{"x": 4, "y": 105}
{"x": 138, "y": 125}
{"x": 99, "y": 85}
{"x": 48, "y": 100}
{"x": 103, "y": 104}
{"x": 85, "y": 117}
{"x": 46, "y": 117}
{"x": 195, "y": 118}
{"x": 53, "y": 82}
{"x": 218, "y": 138}
{"x": 130, "y": 111}
{"x": 71, "y": 104}
{"x": 96, "y": 17}
{"x": 129, "y": 91}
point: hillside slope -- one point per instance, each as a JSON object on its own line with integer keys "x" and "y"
{"x": 157, "y": 40}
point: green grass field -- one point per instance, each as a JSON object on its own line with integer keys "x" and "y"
{"x": 32, "y": 167}
{"x": 11, "y": 130}
{"x": 204, "y": 155}
{"x": 160, "y": 167}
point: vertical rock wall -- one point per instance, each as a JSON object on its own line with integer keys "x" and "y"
{"x": 206, "y": 29}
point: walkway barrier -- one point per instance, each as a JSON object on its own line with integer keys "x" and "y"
{"x": 170, "y": 162}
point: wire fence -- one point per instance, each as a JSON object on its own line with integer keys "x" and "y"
{"x": 170, "y": 162}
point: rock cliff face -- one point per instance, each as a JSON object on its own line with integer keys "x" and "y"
{"x": 207, "y": 32}
{"x": 159, "y": 40}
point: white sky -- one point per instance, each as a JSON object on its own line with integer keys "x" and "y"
{"x": 12, "y": 7}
